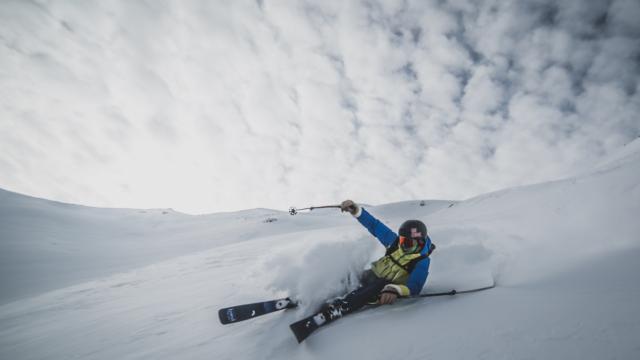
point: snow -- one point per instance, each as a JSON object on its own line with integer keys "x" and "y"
{"x": 91, "y": 283}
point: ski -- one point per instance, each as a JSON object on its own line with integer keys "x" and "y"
{"x": 302, "y": 329}
{"x": 238, "y": 313}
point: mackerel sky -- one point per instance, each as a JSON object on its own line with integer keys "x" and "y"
{"x": 209, "y": 106}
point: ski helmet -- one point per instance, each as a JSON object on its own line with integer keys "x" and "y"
{"x": 413, "y": 235}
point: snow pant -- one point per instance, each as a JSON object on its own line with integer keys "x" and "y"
{"x": 367, "y": 292}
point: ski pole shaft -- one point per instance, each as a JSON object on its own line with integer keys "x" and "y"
{"x": 325, "y": 207}
{"x": 294, "y": 211}
{"x": 453, "y": 292}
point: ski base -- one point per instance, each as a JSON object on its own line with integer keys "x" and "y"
{"x": 238, "y": 313}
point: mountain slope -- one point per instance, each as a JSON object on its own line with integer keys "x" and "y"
{"x": 563, "y": 254}
{"x": 47, "y": 245}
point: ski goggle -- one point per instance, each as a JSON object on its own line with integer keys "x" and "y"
{"x": 408, "y": 243}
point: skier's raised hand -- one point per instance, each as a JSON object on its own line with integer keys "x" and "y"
{"x": 350, "y": 206}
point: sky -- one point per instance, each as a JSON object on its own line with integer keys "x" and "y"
{"x": 211, "y": 106}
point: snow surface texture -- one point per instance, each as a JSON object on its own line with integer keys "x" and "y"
{"x": 90, "y": 283}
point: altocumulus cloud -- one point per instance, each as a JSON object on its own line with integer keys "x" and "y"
{"x": 222, "y": 105}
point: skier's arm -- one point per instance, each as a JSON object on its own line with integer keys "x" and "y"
{"x": 418, "y": 277}
{"x": 385, "y": 235}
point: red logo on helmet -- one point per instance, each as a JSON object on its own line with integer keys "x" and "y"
{"x": 415, "y": 233}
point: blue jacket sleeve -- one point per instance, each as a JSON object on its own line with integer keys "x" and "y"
{"x": 418, "y": 276}
{"x": 385, "y": 235}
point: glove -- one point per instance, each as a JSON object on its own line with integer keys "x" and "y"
{"x": 388, "y": 295}
{"x": 351, "y": 207}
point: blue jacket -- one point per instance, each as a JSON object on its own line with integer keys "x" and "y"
{"x": 387, "y": 237}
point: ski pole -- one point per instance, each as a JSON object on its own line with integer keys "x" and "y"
{"x": 294, "y": 211}
{"x": 453, "y": 292}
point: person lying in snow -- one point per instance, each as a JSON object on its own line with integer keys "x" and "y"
{"x": 402, "y": 271}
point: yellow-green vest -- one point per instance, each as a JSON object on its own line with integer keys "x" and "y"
{"x": 396, "y": 266}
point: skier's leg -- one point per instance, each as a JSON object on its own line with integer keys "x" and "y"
{"x": 360, "y": 296}
{"x": 369, "y": 289}
{"x": 368, "y": 277}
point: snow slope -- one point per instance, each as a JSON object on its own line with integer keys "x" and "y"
{"x": 47, "y": 245}
{"x": 134, "y": 284}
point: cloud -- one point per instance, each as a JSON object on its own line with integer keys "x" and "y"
{"x": 211, "y": 106}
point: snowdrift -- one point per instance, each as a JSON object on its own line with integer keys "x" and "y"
{"x": 92, "y": 283}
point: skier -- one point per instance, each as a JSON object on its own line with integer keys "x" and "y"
{"x": 402, "y": 271}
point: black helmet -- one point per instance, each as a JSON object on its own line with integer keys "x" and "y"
{"x": 413, "y": 235}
